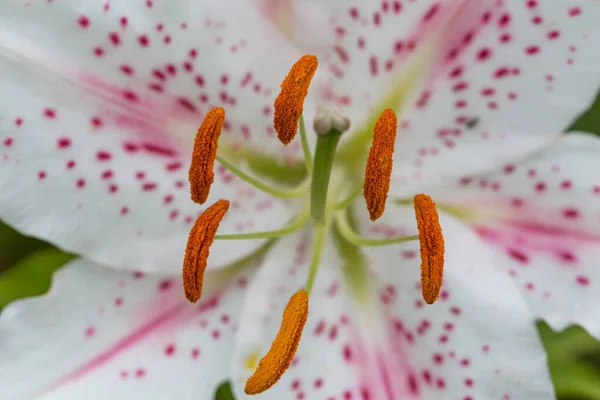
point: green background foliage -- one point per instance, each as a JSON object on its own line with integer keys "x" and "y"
{"x": 27, "y": 264}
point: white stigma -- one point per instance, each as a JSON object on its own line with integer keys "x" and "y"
{"x": 330, "y": 117}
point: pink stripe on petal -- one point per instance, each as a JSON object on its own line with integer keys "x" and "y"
{"x": 175, "y": 315}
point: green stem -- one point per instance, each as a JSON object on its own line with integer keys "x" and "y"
{"x": 345, "y": 229}
{"x": 281, "y": 193}
{"x": 324, "y": 156}
{"x": 320, "y": 238}
{"x": 305, "y": 147}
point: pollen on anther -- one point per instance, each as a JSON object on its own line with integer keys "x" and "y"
{"x": 289, "y": 104}
{"x": 272, "y": 366}
{"x": 378, "y": 171}
{"x": 201, "y": 238}
{"x": 432, "y": 247}
{"x": 201, "y": 173}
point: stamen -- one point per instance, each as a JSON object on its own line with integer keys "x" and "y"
{"x": 297, "y": 191}
{"x": 196, "y": 253}
{"x": 308, "y": 160}
{"x": 289, "y": 104}
{"x": 379, "y": 164}
{"x": 349, "y": 234}
{"x": 294, "y": 225}
{"x": 201, "y": 173}
{"x": 432, "y": 248}
{"x": 272, "y": 366}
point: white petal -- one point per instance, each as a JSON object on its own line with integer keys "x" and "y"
{"x": 103, "y": 334}
{"x": 94, "y": 159}
{"x": 503, "y": 78}
{"x": 542, "y": 218}
{"x": 350, "y": 349}
{"x": 479, "y": 340}
{"x": 502, "y": 99}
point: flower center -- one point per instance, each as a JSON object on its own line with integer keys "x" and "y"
{"x": 324, "y": 211}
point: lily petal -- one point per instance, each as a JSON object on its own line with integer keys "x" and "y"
{"x": 100, "y": 105}
{"x": 104, "y": 334}
{"x": 492, "y": 81}
{"x": 542, "y": 219}
{"x": 385, "y": 346}
{"x": 479, "y": 339}
{"x": 527, "y": 73}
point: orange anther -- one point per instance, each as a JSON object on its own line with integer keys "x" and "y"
{"x": 379, "y": 164}
{"x": 272, "y": 366}
{"x": 201, "y": 173}
{"x": 201, "y": 238}
{"x": 432, "y": 248}
{"x": 289, "y": 103}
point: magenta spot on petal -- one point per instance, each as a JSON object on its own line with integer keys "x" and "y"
{"x": 50, "y": 113}
{"x": 165, "y": 285}
{"x": 531, "y": 50}
{"x": 170, "y": 350}
{"x": 63, "y": 143}
{"x": 412, "y": 384}
{"x": 571, "y": 213}
{"x": 138, "y": 275}
{"x": 195, "y": 353}
{"x": 455, "y": 310}
{"x": 149, "y": 186}
{"x": 567, "y": 256}
{"x": 518, "y": 256}
{"x": 484, "y": 54}
{"x": 83, "y": 21}
{"x": 540, "y": 187}
{"x": 103, "y": 155}
{"x": 143, "y": 40}
{"x": 347, "y": 352}
{"x": 90, "y": 331}
{"x": 582, "y": 280}
{"x": 158, "y": 150}
{"x": 115, "y": 38}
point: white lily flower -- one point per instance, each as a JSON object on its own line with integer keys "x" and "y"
{"x": 100, "y": 99}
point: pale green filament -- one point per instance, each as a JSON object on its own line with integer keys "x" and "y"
{"x": 462, "y": 213}
{"x": 354, "y": 263}
{"x": 345, "y": 229}
{"x": 345, "y": 203}
{"x": 281, "y": 193}
{"x": 305, "y": 146}
{"x": 324, "y": 156}
{"x": 296, "y": 224}
{"x": 319, "y": 241}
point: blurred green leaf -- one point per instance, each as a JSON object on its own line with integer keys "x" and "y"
{"x": 32, "y": 275}
{"x": 224, "y": 392}
{"x": 14, "y": 246}
{"x": 573, "y": 360}
{"x": 589, "y": 121}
